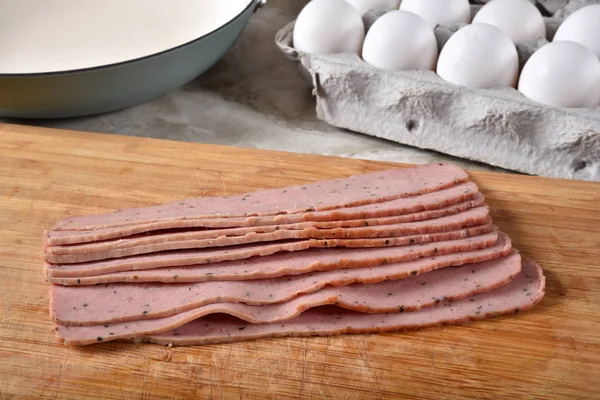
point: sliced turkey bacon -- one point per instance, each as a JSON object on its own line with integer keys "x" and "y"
{"x": 408, "y": 295}
{"x": 212, "y": 255}
{"x": 374, "y": 187}
{"x": 405, "y": 240}
{"x": 190, "y": 240}
{"x": 108, "y": 304}
{"x": 173, "y": 236}
{"x": 437, "y": 204}
{"x": 237, "y": 271}
{"x": 281, "y": 264}
{"x": 521, "y": 294}
{"x": 261, "y": 250}
{"x": 202, "y": 233}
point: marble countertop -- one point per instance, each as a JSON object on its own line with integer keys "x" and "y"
{"x": 254, "y": 97}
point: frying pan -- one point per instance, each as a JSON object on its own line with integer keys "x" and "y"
{"x": 67, "y": 58}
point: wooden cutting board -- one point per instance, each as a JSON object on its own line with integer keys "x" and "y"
{"x": 548, "y": 353}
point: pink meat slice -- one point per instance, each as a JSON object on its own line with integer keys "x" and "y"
{"x": 212, "y": 255}
{"x": 521, "y": 294}
{"x": 205, "y": 273}
{"x": 380, "y": 299}
{"x": 405, "y": 240}
{"x": 108, "y": 304}
{"x": 290, "y": 263}
{"x": 437, "y": 204}
{"x": 202, "y": 233}
{"x": 190, "y": 240}
{"x": 375, "y": 187}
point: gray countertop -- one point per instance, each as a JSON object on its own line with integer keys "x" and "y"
{"x": 254, "y": 97}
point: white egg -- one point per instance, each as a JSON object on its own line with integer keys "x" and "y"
{"x": 440, "y": 12}
{"x": 583, "y": 26}
{"x": 479, "y": 56}
{"x": 362, "y": 6}
{"x": 563, "y": 74}
{"x": 400, "y": 40}
{"x": 329, "y": 26}
{"x": 519, "y": 19}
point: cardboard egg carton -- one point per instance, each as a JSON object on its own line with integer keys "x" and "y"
{"x": 499, "y": 127}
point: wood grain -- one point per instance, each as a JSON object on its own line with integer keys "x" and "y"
{"x": 551, "y": 352}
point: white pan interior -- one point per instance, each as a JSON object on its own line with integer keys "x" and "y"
{"x": 38, "y": 36}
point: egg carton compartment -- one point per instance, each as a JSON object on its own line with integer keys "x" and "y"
{"x": 500, "y": 127}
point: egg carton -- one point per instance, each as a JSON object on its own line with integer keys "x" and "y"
{"x": 499, "y": 127}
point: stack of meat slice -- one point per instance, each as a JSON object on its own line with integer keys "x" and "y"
{"x": 385, "y": 251}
